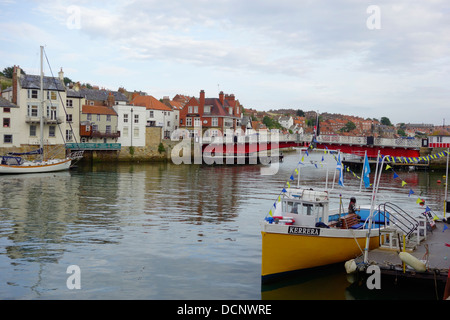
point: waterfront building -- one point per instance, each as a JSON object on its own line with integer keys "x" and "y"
{"x": 131, "y": 123}
{"x": 158, "y": 114}
{"x": 211, "y": 116}
{"x": 98, "y": 124}
{"x": 24, "y": 129}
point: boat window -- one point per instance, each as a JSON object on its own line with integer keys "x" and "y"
{"x": 291, "y": 207}
{"x": 308, "y": 209}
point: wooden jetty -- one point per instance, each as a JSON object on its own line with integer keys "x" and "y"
{"x": 433, "y": 250}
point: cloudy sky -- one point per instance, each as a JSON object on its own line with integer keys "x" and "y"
{"x": 367, "y": 58}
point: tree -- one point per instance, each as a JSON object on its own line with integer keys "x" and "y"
{"x": 385, "y": 121}
{"x": 8, "y": 72}
{"x": 349, "y": 126}
{"x": 271, "y": 123}
{"x": 300, "y": 113}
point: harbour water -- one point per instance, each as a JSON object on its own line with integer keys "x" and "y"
{"x": 166, "y": 231}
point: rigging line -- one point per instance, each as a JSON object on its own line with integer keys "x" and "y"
{"x": 62, "y": 103}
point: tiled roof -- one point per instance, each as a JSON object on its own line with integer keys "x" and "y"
{"x": 4, "y": 103}
{"x": 150, "y": 103}
{"x": 98, "y": 110}
{"x": 29, "y": 81}
{"x": 101, "y": 95}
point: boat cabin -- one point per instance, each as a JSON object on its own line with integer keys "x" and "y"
{"x": 306, "y": 207}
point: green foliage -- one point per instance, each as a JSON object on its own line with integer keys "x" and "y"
{"x": 271, "y": 123}
{"x": 349, "y": 126}
{"x": 385, "y": 121}
{"x": 161, "y": 148}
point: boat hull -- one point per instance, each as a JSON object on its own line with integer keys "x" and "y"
{"x": 50, "y": 166}
{"x": 284, "y": 253}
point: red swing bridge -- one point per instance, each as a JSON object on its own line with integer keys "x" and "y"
{"x": 239, "y": 145}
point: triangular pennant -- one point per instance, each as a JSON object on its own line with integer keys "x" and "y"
{"x": 395, "y": 175}
{"x": 403, "y": 183}
{"x": 388, "y": 167}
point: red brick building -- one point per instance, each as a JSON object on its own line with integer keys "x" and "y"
{"x": 211, "y": 116}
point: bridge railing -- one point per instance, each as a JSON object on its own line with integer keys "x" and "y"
{"x": 331, "y": 139}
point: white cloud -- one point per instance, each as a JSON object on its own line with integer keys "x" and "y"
{"x": 284, "y": 51}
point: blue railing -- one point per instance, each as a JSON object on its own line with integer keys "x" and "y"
{"x": 93, "y": 146}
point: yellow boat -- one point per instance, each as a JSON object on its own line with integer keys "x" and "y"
{"x": 306, "y": 234}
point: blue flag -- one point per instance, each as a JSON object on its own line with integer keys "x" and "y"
{"x": 341, "y": 171}
{"x": 366, "y": 172}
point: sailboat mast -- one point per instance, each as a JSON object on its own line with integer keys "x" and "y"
{"x": 42, "y": 105}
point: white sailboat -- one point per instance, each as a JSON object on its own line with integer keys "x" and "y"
{"x": 14, "y": 164}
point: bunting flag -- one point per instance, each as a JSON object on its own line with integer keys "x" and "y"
{"x": 403, "y": 183}
{"x": 341, "y": 171}
{"x": 366, "y": 172}
{"x": 410, "y": 192}
{"x": 395, "y": 175}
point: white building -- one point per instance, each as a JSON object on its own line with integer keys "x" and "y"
{"x": 26, "y": 94}
{"x": 286, "y": 122}
{"x": 158, "y": 114}
{"x": 131, "y": 123}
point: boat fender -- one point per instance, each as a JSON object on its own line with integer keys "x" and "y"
{"x": 412, "y": 261}
{"x": 350, "y": 266}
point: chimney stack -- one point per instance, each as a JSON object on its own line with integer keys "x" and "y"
{"x": 61, "y": 75}
{"x": 221, "y": 97}
{"x": 110, "y": 100}
{"x": 202, "y": 99}
{"x": 15, "y": 79}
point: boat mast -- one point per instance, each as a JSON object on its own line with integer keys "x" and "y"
{"x": 42, "y": 106}
{"x": 446, "y": 184}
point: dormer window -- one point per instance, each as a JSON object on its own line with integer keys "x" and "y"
{"x": 207, "y": 109}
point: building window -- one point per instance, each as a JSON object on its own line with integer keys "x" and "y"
{"x": 195, "y": 109}
{"x": 33, "y": 94}
{"x": 68, "y": 135}
{"x": 136, "y": 132}
{"x": 207, "y": 109}
{"x": 215, "y": 122}
{"x": 108, "y": 129}
{"x": 32, "y": 131}
{"x": 125, "y": 131}
{"x": 125, "y": 118}
{"x": 197, "y": 122}
{"x": 51, "y": 95}
{"x": 168, "y": 123}
{"x": 7, "y": 138}
{"x": 108, "y": 117}
{"x": 6, "y": 122}
{"x": 6, "y": 110}
{"x": 69, "y": 103}
{"x": 98, "y": 117}
{"x": 89, "y": 116}
{"x": 136, "y": 118}
{"x": 190, "y": 109}
{"x": 68, "y": 117}
{"x": 32, "y": 110}
{"x": 51, "y": 131}
{"x": 94, "y": 127}
{"x": 188, "y": 122}
{"x": 151, "y": 114}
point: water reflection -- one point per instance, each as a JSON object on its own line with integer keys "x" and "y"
{"x": 161, "y": 231}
